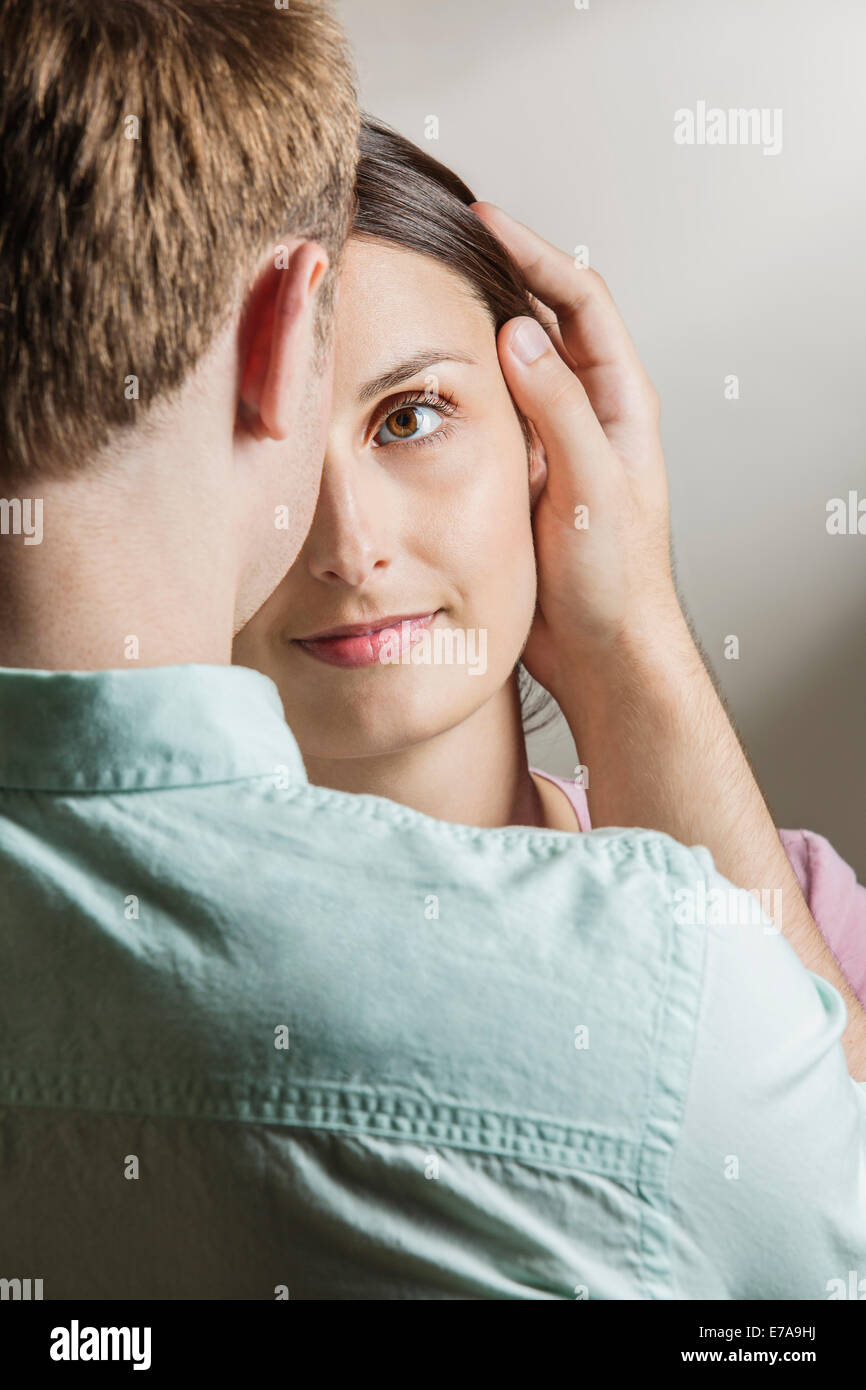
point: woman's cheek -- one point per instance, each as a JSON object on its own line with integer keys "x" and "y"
{"x": 494, "y": 562}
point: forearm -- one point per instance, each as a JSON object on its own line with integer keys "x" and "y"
{"x": 662, "y": 754}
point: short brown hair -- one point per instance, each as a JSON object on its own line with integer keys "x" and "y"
{"x": 124, "y": 247}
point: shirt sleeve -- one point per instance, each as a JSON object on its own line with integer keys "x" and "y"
{"x": 836, "y": 901}
{"x": 768, "y": 1180}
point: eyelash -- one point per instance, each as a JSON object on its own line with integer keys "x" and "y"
{"x": 444, "y": 403}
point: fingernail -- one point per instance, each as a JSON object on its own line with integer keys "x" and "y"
{"x": 529, "y": 341}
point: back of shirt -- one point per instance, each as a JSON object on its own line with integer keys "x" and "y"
{"x": 260, "y": 1039}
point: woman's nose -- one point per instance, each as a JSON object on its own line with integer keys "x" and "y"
{"x": 348, "y": 540}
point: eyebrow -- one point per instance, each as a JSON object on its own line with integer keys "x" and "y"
{"x": 412, "y": 365}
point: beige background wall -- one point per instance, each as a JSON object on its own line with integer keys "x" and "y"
{"x": 722, "y": 260}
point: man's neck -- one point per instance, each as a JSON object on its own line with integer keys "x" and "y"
{"x": 130, "y": 571}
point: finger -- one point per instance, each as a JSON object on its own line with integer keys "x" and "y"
{"x": 580, "y": 460}
{"x": 547, "y": 318}
{"x": 544, "y": 312}
{"x": 593, "y": 332}
{"x": 574, "y": 294}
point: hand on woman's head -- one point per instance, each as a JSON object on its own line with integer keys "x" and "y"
{"x": 602, "y": 531}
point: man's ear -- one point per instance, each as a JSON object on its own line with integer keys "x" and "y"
{"x": 537, "y": 467}
{"x": 277, "y": 338}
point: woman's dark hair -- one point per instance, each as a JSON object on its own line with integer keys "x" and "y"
{"x": 407, "y": 197}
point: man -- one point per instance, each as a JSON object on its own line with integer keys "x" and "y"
{"x": 261, "y": 1039}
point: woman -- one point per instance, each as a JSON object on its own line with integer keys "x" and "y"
{"x": 424, "y": 513}
{"x": 395, "y": 639}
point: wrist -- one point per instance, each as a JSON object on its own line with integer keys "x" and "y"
{"x": 654, "y": 660}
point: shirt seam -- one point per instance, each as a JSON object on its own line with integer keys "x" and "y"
{"x": 673, "y": 1063}
{"x": 657, "y": 849}
{"x": 537, "y": 1140}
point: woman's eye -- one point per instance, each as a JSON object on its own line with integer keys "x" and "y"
{"x": 408, "y": 422}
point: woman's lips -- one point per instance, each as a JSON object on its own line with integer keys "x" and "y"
{"x": 363, "y": 648}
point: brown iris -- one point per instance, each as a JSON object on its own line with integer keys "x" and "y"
{"x": 403, "y": 422}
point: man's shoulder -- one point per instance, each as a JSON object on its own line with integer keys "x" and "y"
{"x": 333, "y": 965}
{"x": 298, "y": 936}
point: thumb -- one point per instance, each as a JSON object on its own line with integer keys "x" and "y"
{"x": 551, "y": 396}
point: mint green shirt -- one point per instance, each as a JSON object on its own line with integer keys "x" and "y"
{"x": 260, "y": 1039}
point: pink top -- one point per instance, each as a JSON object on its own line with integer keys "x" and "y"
{"x": 829, "y": 885}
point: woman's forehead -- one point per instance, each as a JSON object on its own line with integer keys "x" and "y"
{"x": 394, "y": 303}
{"x": 394, "y": 279}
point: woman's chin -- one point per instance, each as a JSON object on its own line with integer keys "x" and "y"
{"x": 347, "y": 743}
{"x": 385, "y": 722}
{"x": 390, "y": 730}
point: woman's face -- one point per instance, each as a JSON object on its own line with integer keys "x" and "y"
{"x": 423, "y": 513}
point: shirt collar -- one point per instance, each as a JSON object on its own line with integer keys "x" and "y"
{"x": 159, "y": 726}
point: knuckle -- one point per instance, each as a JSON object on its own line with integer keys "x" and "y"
{"x": 595, "y": 280}
{"x": 586, "y": 284}
{"x": 564, "y": 392}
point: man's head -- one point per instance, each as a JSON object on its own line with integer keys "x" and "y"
{"x": 176, "y": 180}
